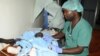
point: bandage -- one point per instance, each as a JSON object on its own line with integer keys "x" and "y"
{"x": 13, "y": 50}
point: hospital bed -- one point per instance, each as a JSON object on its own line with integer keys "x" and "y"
{"x": 33, "y": 51}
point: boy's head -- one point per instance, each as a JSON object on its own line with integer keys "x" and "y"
{"x": 39, "y": 34}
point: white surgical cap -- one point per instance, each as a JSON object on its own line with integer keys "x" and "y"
{"x": 73, "y": 5}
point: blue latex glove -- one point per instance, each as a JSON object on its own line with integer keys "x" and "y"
{"x": 57, "y": 49}
{"x": 47, "y": 37}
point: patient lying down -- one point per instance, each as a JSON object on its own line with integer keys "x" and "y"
{"x": 34, "y": 44}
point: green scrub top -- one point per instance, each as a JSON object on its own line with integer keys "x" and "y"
{"x": 80, "y": 35}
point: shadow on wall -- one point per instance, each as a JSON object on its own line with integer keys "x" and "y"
{"x": 38, "y": 21}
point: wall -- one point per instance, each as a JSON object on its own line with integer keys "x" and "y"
{"x": 16, "y": 17}
{"x": 89, "y": 10}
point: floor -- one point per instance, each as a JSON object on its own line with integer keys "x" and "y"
{"x": 94, "y": 48}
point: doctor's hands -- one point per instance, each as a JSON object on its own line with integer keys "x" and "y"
{"x": 57, "y": 49}
{"x": 59, "y": 35}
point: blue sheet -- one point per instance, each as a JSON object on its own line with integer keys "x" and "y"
{"x": 28, "y": 40}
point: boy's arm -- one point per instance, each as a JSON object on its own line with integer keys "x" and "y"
{"x": 7, "y": 41}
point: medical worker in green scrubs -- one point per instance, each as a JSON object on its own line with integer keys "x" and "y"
{"x": 77, "y": 30}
